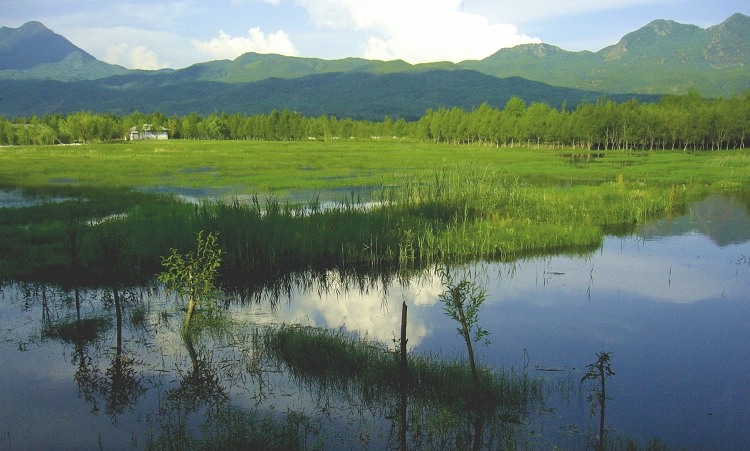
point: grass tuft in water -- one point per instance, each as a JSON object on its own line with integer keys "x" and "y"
{"x": 228, "y": 427}
{"x": 337, "y": 361}
{"x": 73, "y": 330}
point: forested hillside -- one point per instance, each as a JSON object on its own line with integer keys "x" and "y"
{"x": 682, "y": 122}
{"x": 356, "y": 95}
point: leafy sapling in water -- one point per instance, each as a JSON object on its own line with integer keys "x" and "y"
{"x": 191, "y": 275}
{"x": 599, "y": 372}
{"x": 461, "y": 302}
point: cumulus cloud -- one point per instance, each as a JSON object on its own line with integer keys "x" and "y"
{"x": 230, "y": 47}
{"x": 137, "y": 57}
{"x": 130, "y": 47}
{"x": 416, "y": 30}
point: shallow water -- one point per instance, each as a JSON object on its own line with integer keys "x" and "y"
{"x": 670, "y": 303}
{"x": 15, "y": 199}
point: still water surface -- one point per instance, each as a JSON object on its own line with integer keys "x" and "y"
{"x": 671, "y": 304}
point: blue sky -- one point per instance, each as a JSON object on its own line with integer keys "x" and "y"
{"x": 153, "y": 34}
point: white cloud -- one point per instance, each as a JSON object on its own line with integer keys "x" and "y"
{"x": 138, "y": 57}
{"x": 230, "y": 47}
{"x": 416, "y": 30}
{"x": 131, "y": 47}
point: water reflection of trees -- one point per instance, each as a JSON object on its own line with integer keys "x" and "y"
{"x": 120, "y": 386}
{"x": 223, "y": 365}
{"x": 228, "y": 387}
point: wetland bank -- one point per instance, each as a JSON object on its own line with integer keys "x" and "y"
{"x": 641, "y": 254}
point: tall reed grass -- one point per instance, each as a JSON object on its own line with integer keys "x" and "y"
{"x": 455, "y": 217}
{"x": 341, "y": 362}
{"x": 451, "y": 217}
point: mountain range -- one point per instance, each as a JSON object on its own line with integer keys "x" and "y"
{"x": 42, "y": 72}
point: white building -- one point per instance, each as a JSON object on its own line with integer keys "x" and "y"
{"x": 146, "y": 132}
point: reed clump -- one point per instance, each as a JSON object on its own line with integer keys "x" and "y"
{"x": 338, "y": 362}
{"x": 453, "y": 217}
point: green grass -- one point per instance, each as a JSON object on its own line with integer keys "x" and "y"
{"x": 434, "y": 203}
{"x": 253, "y": 167}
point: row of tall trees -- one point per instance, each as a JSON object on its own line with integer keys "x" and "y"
{"x": 683, "y": 122}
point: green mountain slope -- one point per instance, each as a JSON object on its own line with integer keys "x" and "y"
{"x": 356, "y": 95}
{"x": 252, "y": 67}
{"x": 662, "y": 57}
{"x": 74, "y": 67}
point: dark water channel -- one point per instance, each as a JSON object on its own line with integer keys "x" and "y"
{"x": 671, "y": 304}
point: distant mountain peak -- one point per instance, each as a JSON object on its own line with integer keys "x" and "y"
{"x": 736, "y": 19}
{"x": 33, "y": 26}
{"x": 33, "y": 44}
{"x": 534, "y": 50}
{"x": 657, "y": 31}
{"x": 25, "y": 30}
{"x": 728, "y": 45}
{"x": 663, "y": 27}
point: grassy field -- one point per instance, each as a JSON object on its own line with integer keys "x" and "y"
{"x": 436, "y": 203}
{"x": 251, "y": 167}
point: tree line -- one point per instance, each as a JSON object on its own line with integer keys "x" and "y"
{"x": 674, "y": 122}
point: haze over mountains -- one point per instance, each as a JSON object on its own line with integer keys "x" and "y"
{"x": 41, "y": 72}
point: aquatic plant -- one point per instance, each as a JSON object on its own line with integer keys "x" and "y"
{"x": 599, "y": 372}
{"x": 192, "y": 274}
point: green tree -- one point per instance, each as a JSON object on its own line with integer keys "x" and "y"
{"x": 7, "y": 133}
{"x": 536, "y": 122}
{"x": 189, "y": 126}
{"x": 192, "y": 275}
{"x": 513, "y": 113}
{"x": 461, "y": 302}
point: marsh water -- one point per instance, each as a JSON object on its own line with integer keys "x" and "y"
{"x": 670, "y": 303}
